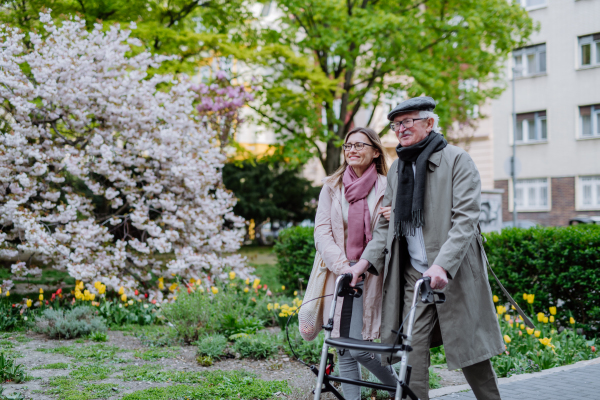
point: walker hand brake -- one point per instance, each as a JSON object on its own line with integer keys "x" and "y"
{"x": 427, "y": 294}
{"x": 345, "y": 288}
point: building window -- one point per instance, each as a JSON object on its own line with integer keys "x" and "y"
{"x": 530, "y": 60}
{"x": 532, "y": 127}
{"x": 528, "y": 4}
{"x": 590, "y": 120}
{"x": 532, "y": 194}
{"x": 589, "y": 50}
{"x": 589, "y": 192}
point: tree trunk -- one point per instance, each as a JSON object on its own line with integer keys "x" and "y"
{"x": 332, "y": 162}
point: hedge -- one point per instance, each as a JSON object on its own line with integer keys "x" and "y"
{"x": 295, "y": 251}
{"x": 560, "y": 266}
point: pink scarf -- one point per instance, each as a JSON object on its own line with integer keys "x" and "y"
{"x": 359, "y": 217}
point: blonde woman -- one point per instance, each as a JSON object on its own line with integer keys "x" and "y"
{"x": 349, "y": 207}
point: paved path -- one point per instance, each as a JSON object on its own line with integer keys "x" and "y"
{"x": 579, "y": 383}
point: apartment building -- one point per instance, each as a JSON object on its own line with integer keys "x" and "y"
{"x": 557, "y": 101}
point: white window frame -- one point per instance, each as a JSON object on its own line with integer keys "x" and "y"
{"x": 593, "y": 41}
{"x": 538, "y": 117}
{"x": 582, "y": 182}
{"x": 523, "y": 53}
{"x": 531, "y": 8}
{"x": 594, "y": 122}
{"x": 535, "y": 183}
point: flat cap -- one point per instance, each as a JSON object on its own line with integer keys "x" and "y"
{"x": 422, "y": 103}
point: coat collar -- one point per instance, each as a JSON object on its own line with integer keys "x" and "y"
{"x": 436, "y": 158}
{"x": 337, "y": 190}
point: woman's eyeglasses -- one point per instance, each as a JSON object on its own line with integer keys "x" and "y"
{"x": 358, "y": 146}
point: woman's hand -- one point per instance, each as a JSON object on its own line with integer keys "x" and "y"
{"x": 386, "y": 212}
{"x": 357, "y": 270}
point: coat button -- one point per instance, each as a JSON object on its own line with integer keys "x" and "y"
{"x": 385, "y": 251}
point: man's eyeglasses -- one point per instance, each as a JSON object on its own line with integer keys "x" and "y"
{"x": 408, "y": 123}
{"x": 358, "y": 146}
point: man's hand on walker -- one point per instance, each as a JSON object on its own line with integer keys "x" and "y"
{"x": 357, "y": 270}
{"x": 438, "y": 275}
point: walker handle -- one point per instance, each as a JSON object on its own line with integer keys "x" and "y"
{"x": 345, "y": 288}
{"x": 428, "y": 295}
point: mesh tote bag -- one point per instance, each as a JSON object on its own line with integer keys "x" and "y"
{"x": 310, "y": 316}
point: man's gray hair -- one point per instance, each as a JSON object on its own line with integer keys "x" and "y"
{"x": 434, "y": 116}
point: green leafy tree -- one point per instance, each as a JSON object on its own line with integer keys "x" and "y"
{"x": 267, "y": 190}
{"x": 327, "y": 59}
{"x": 193, "y": 30}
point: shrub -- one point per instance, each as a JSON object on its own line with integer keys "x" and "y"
{"x": 309, "y": 352}
{"x": 228, "y": 311}
{"x": 98, "y": 336}
{"x": 10, "y": 371}
{"x": 261, "y": 345}
{"x": 137, "y": 313}
{"x": 560, "y": 266}
{"x": 212, "y": 346}
{"x": 295, "y": 250}
{"x": 80, "y": 321}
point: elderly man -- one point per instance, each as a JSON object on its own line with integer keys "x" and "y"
{"x": 434, "y": 190}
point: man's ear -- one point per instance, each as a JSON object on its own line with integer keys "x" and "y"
{"x": 430, "y": 122}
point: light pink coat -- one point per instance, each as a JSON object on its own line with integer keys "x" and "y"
{"x": 329, "y": 240}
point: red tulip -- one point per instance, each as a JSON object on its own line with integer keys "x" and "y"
{"x": 136, "y": 292}
{"x": 146, "y": 295}
{"x": 59, "y": 291}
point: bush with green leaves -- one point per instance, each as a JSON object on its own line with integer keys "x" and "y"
{"x": 11, "y": 317}
{"x": 295, "y": 250}
{"x": 118, "y": 313}
{"x": 80, "y": 321}
{"x": 10, "y": 371}
{"x": 212, "y": 346}
{"x": 229, "y": 311}
{"x": 560, "y": 266}
{"x": 309, "y": 352}
{"x": 261, "y": 345}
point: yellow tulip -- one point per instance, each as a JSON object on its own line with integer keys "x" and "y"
{"x": 530, "y": 298}
{"x": 545, "y": 320}
{"x": 174, "y": 297}
{"x": 537, "y": 333}
{"x": 29, "y": 301}
{"x": 80, "y": 285}
{"x": 0, "y": 290}
{"x": 121, "y": 290}
{"x": 41, "y": 297}
{"x": 282, "y": 287}
{"x": 255, "y": 283}
{"x": 545, "y": 341}
{"x": 507, "y": 317}
{"x": 41, "y": 291}
{"x": 8, "y": 294}
{"x": 161, "y": 279}
{"x": 101, "y": 289}
{"x": 495, "y": 298}
{"x": 281, "y": 314}
{"x": 198, "y": 282}
{"x": 295, "y": 293}
{"x": 247, "y": 281}
{"x": 97, "y": 284}
{"x": 540, "y": 317}
{"x": 572, "y": 321}
{"x": 232, "y": 275}
{"x": 123, "y": 297}
{"x": 500, "y": 309}
{"x": 173, "y": 287}
{"x": 161, "y": 285}
{"x": 270, "y": 306}
{"x": 92, "y": 296}
{"x": 276, "y": 306}
{"x": 246, "y": 290}
{"x": 552, "y": 318}
{"x": 507, "y": 339}
{"x": 522, "y": 326}
{"x": 512, "y": 307}
{"x": 529, "y": 331}
{"x": 214, "y": 290}
{"x": 525, "y": 296}
{"x": 553, "y": 310}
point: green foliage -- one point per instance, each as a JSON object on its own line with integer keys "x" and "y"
{"x": 261, "y": 345}
{"x": 435, "y": 380}
{"x": 12, "y": 396}
{"x": 266, "y": 190}
{"x": 230, "y": 311}
{"x": 156, "y": 335}
{"x": 325, "y": 65}
{"x": 59, "y": 365}
{"x": 91, "y": 372}
{"x": 10, "y": 371}
{"x": 98, "y": 336}
{"x": 79, "y": 321}
{"x": 215, "y": 385}
{"x": 438, "y": 355}
{"x": 295, "y": 250}
{"x": 157, "y": 353}
{"x": 116, "y": 314}
{"x": 553, "y": 264}
{"x": 94, "y": 352}
{"x": 212, "y": 346}
{"x": 309, "y": 352}
{"x": 189, "y": 29}
{"x": 67, "y": 388}
{"x": 10, "y": 317}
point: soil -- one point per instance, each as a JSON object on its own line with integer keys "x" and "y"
{"x": 281, "y": 367}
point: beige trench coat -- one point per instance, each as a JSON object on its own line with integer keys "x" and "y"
{"x": 329, "y": 241}
{"x": 468, "y": 322}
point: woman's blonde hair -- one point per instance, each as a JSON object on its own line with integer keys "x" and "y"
{"x": 380, "y": 162}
